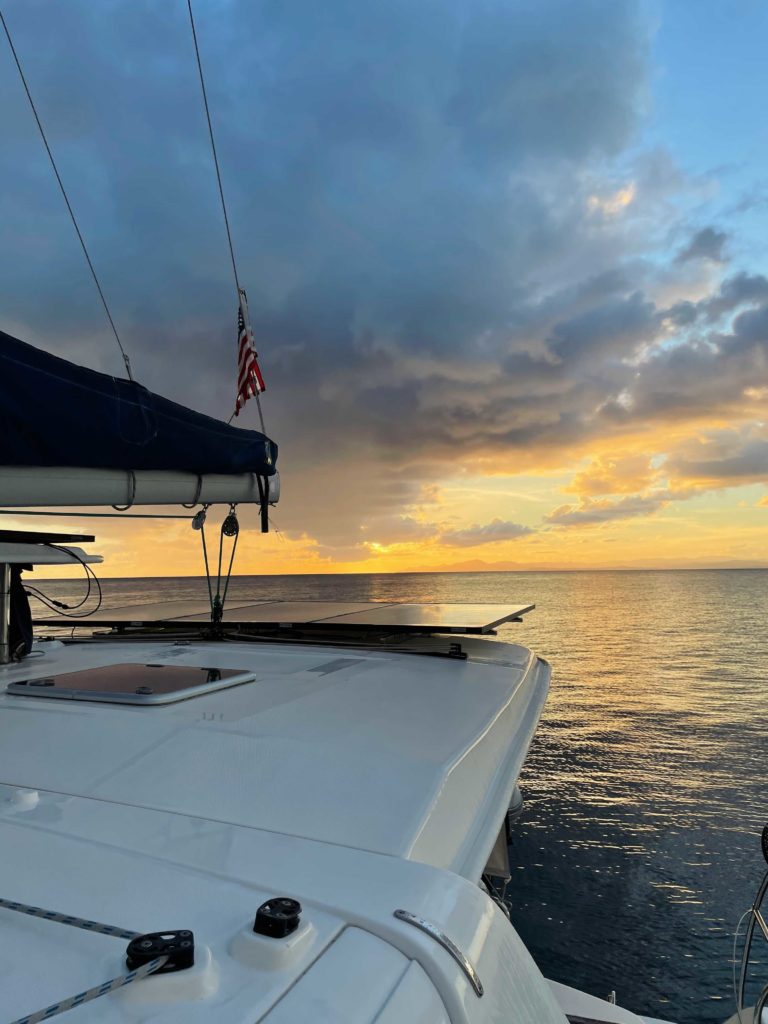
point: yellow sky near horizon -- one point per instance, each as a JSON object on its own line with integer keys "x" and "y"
{"x": 511, "y": 315}
{"x": 704, "y": 524}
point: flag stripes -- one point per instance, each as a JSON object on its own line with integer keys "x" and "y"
{"x": 249, "y": 379}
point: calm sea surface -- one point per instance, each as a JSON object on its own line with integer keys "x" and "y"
{"x": 647, "y": 784}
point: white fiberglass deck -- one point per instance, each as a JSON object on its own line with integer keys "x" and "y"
{"x": 347, "y": 779}
{"x": 357, "y": 782}
{"x": 399, "y": 754}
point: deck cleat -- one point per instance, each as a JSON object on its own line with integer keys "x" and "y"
{"x": 177, "y": 946}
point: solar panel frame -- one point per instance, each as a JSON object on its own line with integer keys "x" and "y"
{"x": 287, "y": 613}
{"x": 324, "y": 616}
{"x": 148, "y": 613}
{"x": 438, "y": 618}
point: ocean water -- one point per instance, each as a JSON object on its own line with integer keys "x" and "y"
{"x": 646, "y": 786}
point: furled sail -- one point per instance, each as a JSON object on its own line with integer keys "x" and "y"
{"x": 73, "y": 436}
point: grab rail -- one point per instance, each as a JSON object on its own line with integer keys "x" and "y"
{"x": 755, "y": 918}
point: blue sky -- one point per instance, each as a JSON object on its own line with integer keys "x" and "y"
{"x": 505, "y": 259}
{"x": 709, "y": 92}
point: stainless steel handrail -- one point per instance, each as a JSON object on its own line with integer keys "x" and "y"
{"x": 755, "y": 918}
{"x": 762, "y": 1002}
{"x": 450, "y": 947}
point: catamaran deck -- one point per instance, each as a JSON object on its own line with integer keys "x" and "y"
{"x": 410, "y": 756}
{"x": 347, "y": 778}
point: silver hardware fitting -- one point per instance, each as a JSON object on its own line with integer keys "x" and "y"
{"x": 450, "y": 947}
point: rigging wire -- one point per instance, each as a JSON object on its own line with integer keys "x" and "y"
{"x": 240, "y": 291}
{"x": 124, "y": 354}
{"x": 213, "y": 146}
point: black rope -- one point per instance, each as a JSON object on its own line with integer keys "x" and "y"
{"x": 66, "y": 199}
{"x": 262, "y": 482}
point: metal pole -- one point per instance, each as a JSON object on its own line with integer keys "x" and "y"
{"x": 755, "y": 917}
{"x": 762, "y": 1002}
{"x": 5, "y": 613}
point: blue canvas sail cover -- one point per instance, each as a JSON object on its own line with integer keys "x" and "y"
{"x": 55, "y": 413}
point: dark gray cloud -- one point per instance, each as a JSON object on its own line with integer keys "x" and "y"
{"x": 616, "y": 327}
{"x": 594, "y": 512}
{"x": 409, "y": 189}
{"x": 496, "y": 531}
{"x": 707, "y": 244}
{"x": 739, "y": 290}
{"x": 726, "y": 457}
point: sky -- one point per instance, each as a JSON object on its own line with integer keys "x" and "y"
{"x": 506, "y": 260}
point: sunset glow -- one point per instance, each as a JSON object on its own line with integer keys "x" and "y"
{"x": 511, "y": 314}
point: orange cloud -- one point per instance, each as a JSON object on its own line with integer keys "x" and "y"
{"x": 614, "y": 202}
{"x": 615, "y": 473}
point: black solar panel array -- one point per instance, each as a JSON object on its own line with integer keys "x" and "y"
{"x": 316, "y": 615}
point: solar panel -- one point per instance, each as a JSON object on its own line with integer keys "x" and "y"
{"x": 288, "y": 613}
{"x": 335, "y": 616}
{"x": 42, "y": 537}
{"x": 149, "y": 613}
{"x": 435, "y": 618}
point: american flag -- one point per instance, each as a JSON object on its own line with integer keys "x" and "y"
{"x": 249, "y": 379}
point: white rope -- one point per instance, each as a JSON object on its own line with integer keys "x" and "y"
{"x": 92, "y": 993}
{"x": 75, "y": 922}
{"x": 54, "y": 1009}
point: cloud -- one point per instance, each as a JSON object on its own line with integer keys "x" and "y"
{"x": 495, "y": 532}
{"x": 740, "y": 290}
{"x": 615, "y": 473}
{"x": 590, "y": 512}
{"x": 398, "y": 530}
{"x": 706, "y": 244}
{"x": 713, "y": 460}
{"x": 409, "y": 187}
{"x": 613, "y": 203}
{"x": 723, "y": 457}
{"x": 391, "y": 530}
{"x": 617, "y": 327}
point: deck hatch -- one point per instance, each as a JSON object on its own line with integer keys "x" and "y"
{"x": 132, "y": 683}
